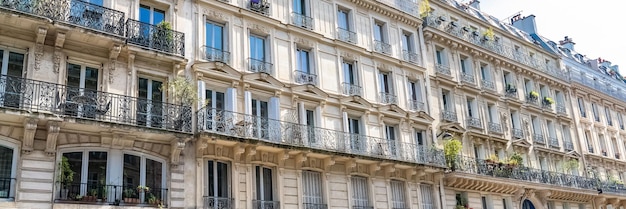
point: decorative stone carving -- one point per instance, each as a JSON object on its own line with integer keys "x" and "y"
{"x": 259, "y": 28}
{"x": 53, "y": 133}
{"x": 38, "y": 56}
{"x": 238, "y": 150}
{"x": 349, "y": 56}
{"x": 30, "y": 127}
{"x": 328, "y": 162}
{"x": 304, "y": 42}
{"x": 212, "y": 14}
{"x": 177, "y": 145}
{"x": 113, "y": 54}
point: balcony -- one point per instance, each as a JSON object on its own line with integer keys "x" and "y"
{"x": 495, "y": 128}
{"x": 521, "y": 173}
{"x": 232, "y": 124}
{"x": 302, "y": 77}
{"x": 468, "y": 78}
{"x": 407, "y": 6}
{"x": 538, "y": 138}
{"x": 617, "y": 155}
{"x": 346, "y": 36}
{"x": 382, "y": 47}
{"x": 362, "y": 207}
{"x": 488, "y": 85}
{"x": 554, "y": 142}
{"x": 604, "y": 153}
{"x": 314, "y": 206}
{"x": 351, "y": 89}
{"x": 7, "y": 188}
{"x": 474, "y": 123}
{"x": 590, "y": 149}
{"x": 569, "y": 146}
{"x": 260, "y": 66}
{"x": 411, "y": 57}
{"x": 75, "y": 12}
{"x": 265, "y": 204}
{"x": 560, "y": 109}
{"x": 155, "y": 37}
{"x": 511, "y": 91}
{"x": 217, "y": 202}
{"x": 98, "y": 194}
{"x": 517, "y": 133}
{"x": 216, "y": 55}
{"x": 301, "y": 20}
{"x": 443, "y": 69}
{"x": 72, "y": 102}
{"x": 260, "y": 6}
{"x": 416, "y": 105}
{"x": 448, "y": 116}
{"x": 612, "y": 187}
{"x": 387, "y": 98}
{"x": 530, "y": 99}
{"x": 546, "y": 103}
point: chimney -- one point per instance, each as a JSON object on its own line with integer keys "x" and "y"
{"x": 475, "y": 4}
{"x": 526, "y": 24}
{"x": 594, "y": 63}
{"x": 567, "y": 43}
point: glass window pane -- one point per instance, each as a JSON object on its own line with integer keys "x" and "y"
{"x": 259, "y": 189}
{"x": 159, "y": 16}
{"x": 143, "y": 88}
{"x": 157, "y": 94}
{"x": 132, "y": 174}
{"x": 144, "y": 14}
{"x": 97, "y": 169}
{"x": 154, "y": 176}
{"x": 222, "y": 179}
{"x": 73, "y": 75}
{"x": 342, "y": 19}
{"x": 96, "y": 2}
{"x": 219, "y": 103}
{"x": 16, "y": 64}
{"x": 267, "y": 184}
{"x": 91, "y": 78}
{"x": 6, "y": 166}
{"x": 75, "y": 160}
{"x": 211, "y": 179}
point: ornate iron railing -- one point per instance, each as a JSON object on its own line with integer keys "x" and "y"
{"x": 612, "y": 187}
{"x": 599, "y": 82}
{"x": 302, "y": 77}
{"x": 411, "y": 57}
{"x": 95, "y": 193}
{"x": 522, "y": 173}
{"x": 155, "y": 37}
{"x": 511, "y": 92}
{"x": 260, "y": 66}
{"x": 443, "y": 69}
{"x": 468, "y": 78}
{"x": 517, "y": 133}
{"x": 569, "y": 146}
{"x": 495, "y": 128}
{"x": 538, "y": 138}
{"x": 74, "y": 102}
{"x": 387, "y": 98}
{"x": 260, "y": 6}
{"x": 407, "y": 6}
{"x": 244, "y": 126}
{"x": 315, "y": 206}
{"x": 475, "y": 123}
{"x": 352, "y": 89}
{"x": 76, "y": 12}
{"x": 265, "y": 204}
{"x": 488, "y": 85}
{"x": 217, "y": 202}
{"x": 346, "y": 36}
{"x": 382, "y": 47}
{"x": 554, "y": 142}
{"x": 533, "y": 100}
{"x": 216, "y": 55}
{"x": 362, "y": 207}
{"x": 449, "y": 116}
{"x": 546, "y": 104}
{"x": 301, "y": 20}
{"x": 416, "y": 105}
{"x": 7, "y": 187}
{"x": 560, "y": 109}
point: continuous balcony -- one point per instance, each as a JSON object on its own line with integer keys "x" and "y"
{"x": 522, "y": 173}
{"x": 560, "y": 109}
{"x": 495, "y": 128}
{"x": 517, "y": 133}
{"x": 265, "y": 204}
{"x": 218, "y": 202}
{"x": 351, "y": 89}
{"x": 216, "y": 55}
{"x": 612, "y": 187}
{"x": 488, "y": 85}
{"x": 416, "y": 105}
{"x": 233, "y": 124}
{"x": 449, "y": 116}
{"x": 468, "y": 78}
{"x": 510, "y": 92}
{"x": 554, "y": 142}
{"x": 301, "y": 20}
{"x": 346, "y": 36}
{"x": 569, "y": 146}
{"x": 73, "y": 102}
{"x": 411, "y": 57}
{"x": 314, "y": 206}
{"x": 387, "y": 98}
{"x": 382, "y": 47}
{"x": 533, "y": 100}
{"x": 74, "y": 12}
{"x": 302, "y": 77}
{"x": 260, "y": 6}
{"x": 593, "y": 81}
{"x": 443, "y": 69}
{"x": 474, "y": 123}
{"x": 155, "y": 37}
{"x": 260, "y": 66}
{"x": 539, "y": 139}
{"x": 100, "y": 194}
{"x": 407, "y": 6}
{"x": 473, "y": 37}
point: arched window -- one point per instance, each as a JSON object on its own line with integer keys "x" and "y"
{"x": 8, "y": 161}
{"x": 528, "y": 205}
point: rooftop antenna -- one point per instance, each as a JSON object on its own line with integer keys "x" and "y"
{"x": 508, "y": 19}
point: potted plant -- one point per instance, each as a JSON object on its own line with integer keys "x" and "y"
{"x": 130, "y": 196}
{"x": 615, "y": 180}
{"x": 548, "y": 100}
{"x": 510, "y": 88}
{"x": 451, "y": 149}
{"x": 516, "y": 159}
{"x": 152, "y": 199}
{"x": 91, "y": 195}
{"x": 78, "y": 198}
{"x": 570, "y": 165}
{"x": 533, "y": 95}
{"x": 65, "y": 177}
{"x": 163, "y": 37}
{"x": 493, "y": 159}
{"x": 185, "y": 94}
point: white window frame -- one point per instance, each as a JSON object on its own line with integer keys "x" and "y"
{"x": 262, "y": 190}
{"x": 216, "y": 179}
{"x": 16, "y": 151}
{"x": 349, "y": 20}
{"x": 310, "y": 185}
{"x": 383, "y": 31}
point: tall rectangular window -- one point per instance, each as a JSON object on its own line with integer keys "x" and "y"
{"x": 485, "y": 72}
{"x": 151, "y": 98}
{"x": 398, "y": 195}
{"x": 483, "y": 200}
{"x": 419, "y": 137}
{"x": 471, "y": 109}
{"x": 300, "y": 7}
{"x": 379, "y": 31}
{"x": 302, "y": 61}
{"x": 581, "y": 107}
{"x": 312, "y": 184}
{"x": 354, "y": 128}
{"x": 214, "y": 36}
{"x": 12, "y": 67}
{"x": 390, "y": 134}
{"x": 360, "y": 192}
{"x": 264, "y": 184}
{"x": 465, "y": 65}
{"x": 218, "y": 181}
{"x": 407, "y": 42}
{"x": 594, "y": 108}
{"x": 439, "y": 57}
{"x": 343, "y": 19}
{"x": 385, "y": 82}
{"x": 257, "y": 48}
{"x": 349, "y": 73}
{"x": 446, "y": 101}
{"x": 151, "y": 15}
{"x": 426, "y": 190}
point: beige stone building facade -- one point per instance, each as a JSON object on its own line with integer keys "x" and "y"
{"x": 310, "y": 104}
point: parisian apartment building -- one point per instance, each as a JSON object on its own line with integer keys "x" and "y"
{"x": 301, "y": 104}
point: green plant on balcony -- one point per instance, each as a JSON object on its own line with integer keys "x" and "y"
{"x": 548, "y": 100}
{"x": 569, "y": 165}
{"x": 493, "y": 159}
{"x": 533, "y": 94}
{"x": 451, "y": 149}
{"x": 615, "y": 180}
{"x": 66, "y": 176}
{"x": 185, "y": 93}
{"x": 424, "y": 8}
{"x": 164, "y": 36}
{"x": 516, "y": 159}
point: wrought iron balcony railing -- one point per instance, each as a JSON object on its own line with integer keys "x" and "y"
{"x": 387, "y": 98}
{"x": 155, "y": 37}
{"x": 449, "y": 116}
{"x": 265, "y": 204}
{"x": 232, "y": 124}
{"x": 522, "y": 173}
{"x": 560, "y": 109}
{"x": 468, "y": 78}
{"x": 301, "y": 20}
{"x": 314, "y": 206}
{"x": 538, "y": 138}
{"x": 352, "y": 89}
{"x": 346, "y": 36}
{"x": 302, "y": 77}
{"x": 443, "y": 69}
{"x": 517, "y": 133}
{"x": 569, "y": 146}
{"x": 88, "y": 193}
{"x": 488, "y": 85}
{"x": 532, "y": 100}
{"x": 554, "y": 142}
{"x": 511, "y": 93}
{"x": 612, "y": 187}
{"x": 7, "y": 188}
{"x": 545, "y": 104}
{"x": 260, "y": 6}
{"x": 411, "y": 57}
{"x": 407, "y": 6}
{"x": 416, "y": 105}
{"x": 382, "y": 47}
{"x": 74, "y": 102}
{"x": 75, "y": 12}
{"x": 590, "y": 149}
{"x": 495, "y": 128}
{"x": 260, "y": 66}
{"x": 217, "y": 202}
{"x": 475, "y": 123}
{"x": 216, "y": 55}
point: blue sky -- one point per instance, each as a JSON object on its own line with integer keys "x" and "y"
{"x": 595, "y": 26}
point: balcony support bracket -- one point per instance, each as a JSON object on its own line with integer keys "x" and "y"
{"x": 53, "y": 132}
{"x": 30, "y": 127}
{"x": 42, "y": 31}
{"x": 177, "y": 145}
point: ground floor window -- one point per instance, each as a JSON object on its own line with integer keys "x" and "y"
{"x": 7, "y": 171}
